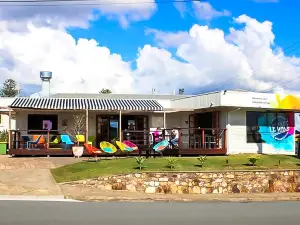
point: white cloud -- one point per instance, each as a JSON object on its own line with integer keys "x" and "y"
{"x": 77, "y": 14}
{"x": 200, "y": 9}
{"x": 203, "y": 57}
{"x": 77, "y": 67}
{"x": 246, "y": 58}
{"x": 205, "y": 11}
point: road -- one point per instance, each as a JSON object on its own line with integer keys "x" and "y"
{"x": 206, "y": 213}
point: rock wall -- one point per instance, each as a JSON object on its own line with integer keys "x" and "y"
{"x": 200, "y": 183}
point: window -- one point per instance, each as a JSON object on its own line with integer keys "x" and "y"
{"x": 38, "y": 122}
{"x": 253, "y": 120}
{"x": 260, "y": 123}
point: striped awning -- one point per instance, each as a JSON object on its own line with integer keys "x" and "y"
{"x": 86, "y": 103}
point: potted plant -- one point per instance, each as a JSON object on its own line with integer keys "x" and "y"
{"x": 76, "y": 130}
{"x": 3, "y": 142}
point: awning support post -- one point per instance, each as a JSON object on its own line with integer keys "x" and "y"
{"x": 120, "y": 126}
{"x": 164, "y": 120}
{"x": 86, "y": 126}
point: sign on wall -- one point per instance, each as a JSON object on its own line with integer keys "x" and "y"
{"x": 278, "y": 131}
{"x": 261, "y": 100}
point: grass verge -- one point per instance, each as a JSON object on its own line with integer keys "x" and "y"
{"x": 86, "y": 169}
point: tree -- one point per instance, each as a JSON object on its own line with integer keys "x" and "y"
{"x": 9, "y": 88}
{"x": 105, "y": 91}
{"x": 77, "y": 127}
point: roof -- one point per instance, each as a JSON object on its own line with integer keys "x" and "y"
{"x": 118, "y": 96}
{"x": 86, "y": 103}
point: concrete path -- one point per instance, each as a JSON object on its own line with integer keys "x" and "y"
{"x": 30, "y": 176}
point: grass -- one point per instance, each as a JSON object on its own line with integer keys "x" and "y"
{"x": 85, "y": 170}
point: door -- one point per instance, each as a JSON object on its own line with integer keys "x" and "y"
{"x": 107, "y": 128}
{"x": 192, "y": 131}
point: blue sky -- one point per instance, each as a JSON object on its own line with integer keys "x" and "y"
{"x": 284, "y": 15}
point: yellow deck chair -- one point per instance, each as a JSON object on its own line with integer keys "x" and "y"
{"x": 123, "y": 147}
{"x": 80, "y": 138}
{"x": 108, "y": 147}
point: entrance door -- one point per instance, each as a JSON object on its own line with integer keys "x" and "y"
{"x": 107, "y": 128}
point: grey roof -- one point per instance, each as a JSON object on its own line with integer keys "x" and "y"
{"x": 86, "y": 103}
{"x": 118, "y": 96}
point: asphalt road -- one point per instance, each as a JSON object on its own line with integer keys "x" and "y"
{"x": 73, "y": 213}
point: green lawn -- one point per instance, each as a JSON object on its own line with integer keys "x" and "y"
{"x": 91, "y": 169}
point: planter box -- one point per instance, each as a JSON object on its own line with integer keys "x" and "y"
{"x": 78, "y": 151}
{"x": 3, "y": 148}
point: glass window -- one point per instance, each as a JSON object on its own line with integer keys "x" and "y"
{"x": 36, "y": 123}
{"x": 254, "y": 120}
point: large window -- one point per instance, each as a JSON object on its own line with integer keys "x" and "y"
{"x": 275, "y": 124}
{"x": 42, "y": 122}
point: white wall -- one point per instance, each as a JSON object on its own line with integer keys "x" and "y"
{"x": 4, "y": 122}
{"x": 237, "y": 136}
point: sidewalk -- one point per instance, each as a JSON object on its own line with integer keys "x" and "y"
{"x": 93, "y": 194}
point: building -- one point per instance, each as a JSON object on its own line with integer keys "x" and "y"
{"x": 4, "y": 114}
{"x": 223, "y": 122}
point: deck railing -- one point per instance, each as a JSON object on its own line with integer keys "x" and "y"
{"x": 190, "y": 141}
{"x": 18, "y": 137}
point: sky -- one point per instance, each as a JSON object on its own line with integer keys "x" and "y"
{"x": 133, "y": 46}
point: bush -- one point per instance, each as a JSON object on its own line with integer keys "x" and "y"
{"x": 4, "y": 136}
{"x": 140, "y": 161}
{"x": 202, "y": 160}
{"x": 171, "y": 162}
{"x": 253, "y": 160}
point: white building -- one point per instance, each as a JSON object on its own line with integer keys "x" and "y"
{"x": 223, "y": 122}
{"x": 4, "y": 114}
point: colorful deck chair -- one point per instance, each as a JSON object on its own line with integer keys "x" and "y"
{"x": 93, "y": 152}
{"x": 35, "y": 142}
{"x": 131, "y": 145}
{"x": 108, "y": 147}
{"x": 66, "y": 140}
{"x": 159, "y": 147}
{"x": 123, "y": 147}
{"x": 80, "y": 138}
{"x": 55, "y": 140}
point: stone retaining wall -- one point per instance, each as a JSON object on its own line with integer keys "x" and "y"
{"x": 200, "y": 183}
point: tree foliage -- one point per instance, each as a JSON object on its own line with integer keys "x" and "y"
{"x": 9, "y": 88}
{"x": 105, "y": 91}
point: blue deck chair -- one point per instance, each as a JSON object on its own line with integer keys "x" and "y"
{"x": 66, "y": 140}
{"x": 35, "y": 142}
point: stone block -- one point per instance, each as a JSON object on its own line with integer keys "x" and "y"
{"x": 150, "y": 190}
{"x": 196, "y": 190}
{"x": 130, "y": 187}
{"x": 163, "y": 179}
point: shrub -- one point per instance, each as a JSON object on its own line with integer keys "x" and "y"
{"x": 171, "y": 162}
{"x": 4, "y": 136}
{"x": 140, "y": 161}
{"x": 202, "y": 160}
{"x": 253, "y": 160}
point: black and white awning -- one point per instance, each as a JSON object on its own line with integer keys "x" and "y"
{"x": 86, "y": 103}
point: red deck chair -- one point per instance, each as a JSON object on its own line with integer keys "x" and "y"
{"x": 93, "y": 152}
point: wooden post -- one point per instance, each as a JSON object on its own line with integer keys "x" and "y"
{"x": 48, "y": 139}
{"x": 164, "y": 120}
{"x": 203, "y": 139}
{"x": 87, "y": 126}
{"x": 120, "y": 126}
{"x": 9, "y": 129}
